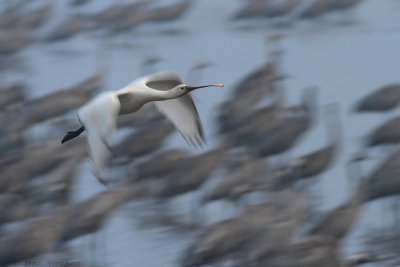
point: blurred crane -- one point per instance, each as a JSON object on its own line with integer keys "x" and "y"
{"x": 314, "y": 163}
{"x": 143, "y": 141}
{"x": 337, "y": 223}
{"x": 345, "y": 4}
{"x": 195, "y": 171}
{"x": 320, "y": 160}
{"x": 288, "y": 131}
{"x": 90, "y": 215}
{"x": 281, "y": 230}
{"x": 56, "y": 186}
{"x": 62, "y": 101}
{"x": 12, "y": 94}
{"x": 384, "y": 243}
{"x": 316, "y": 8}
{"x": 252, "y": 9}
{"x": 239, "y": 120}
{"x": 70, "y": 27}
{"x": 161, "y": 164}
{"x": 36, "y": 161}
{"x": 112, "y": 15}
{"x": 37, "y": 17}
{"x": 241, "y": 179}
{"x": 79, "y": 2}
{"x": 340, "y": 221}
{"x": 385, "y": 184}
{"x": 14, "y": 40}
{"x": 225, "y": 239}
{"x": 169, "y": 13}
{"x": 386, "y": 134}
{"x": 258, "y": 84}
{"x": 313, "y": 252}
{"x": 16, "y": 208}
{"x": 383, "y": 99}
{"x": 280, "y": 8}
{"x": 35, "y": 238}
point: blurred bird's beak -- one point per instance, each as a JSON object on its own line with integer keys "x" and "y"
{"x": 191, "y": 88}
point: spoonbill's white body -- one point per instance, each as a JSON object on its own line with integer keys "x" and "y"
{"x": 171, "y": 97}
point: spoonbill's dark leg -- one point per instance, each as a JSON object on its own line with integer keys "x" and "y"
{"x": 72, "y": 134}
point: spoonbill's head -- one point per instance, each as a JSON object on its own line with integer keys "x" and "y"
{"x": 183, "y": 89}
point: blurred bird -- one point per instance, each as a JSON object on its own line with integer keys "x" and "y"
{"x": 78, "y": 2}
{"x": 383, "y": 99}
{"x": 26, "y": 165}
{"x": 316, "y": 162}
{"x": 61, "y": 101}
{"x": 196, "y": 170}
{"x": 279, "y": 231}
{"x": 340, "y": 221}
{"x": 344, "y": 4}
{"x": 12, "y": 94}
{"x": 316, "y": 8}
{"x": 22, "y": 208}
{"x": 386, "y": 134}
{"x": 288, "y": 131}
{"x": 160, "y": 165}
{"x": 90, "y": 215}
{"x": 281, "y": 8}
{"x": 171, "y": 96}
{"x": 227, "y": 238}
{"x": 337, "y": 223}
{"x": 391, "y": 162}
{"x": 35, "y": 238}
{"x": 71, "y": 26}
{"x": 169, "y": 13}
{"x": 238, "y": 181}
{"x": 143, "y": 141}
{"x": 37, "y": 17}
{"x": 385, "y": 184}
{"x": 255, "y": 8}
{"x": 14, "y": 40}
{"x": 313, "y": 252}
{"x": 113, "y": 14}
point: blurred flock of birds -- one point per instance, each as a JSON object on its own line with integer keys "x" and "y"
{"x": 251, "y": 170}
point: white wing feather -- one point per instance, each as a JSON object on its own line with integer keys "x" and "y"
{"x": 99, "y": 119}
{"x": 183, "y": 114}
{"x": 182, "y": 111}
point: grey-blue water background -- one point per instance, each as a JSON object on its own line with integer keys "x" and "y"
{"x": 344, "y": 61}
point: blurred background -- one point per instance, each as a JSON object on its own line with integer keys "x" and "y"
{"x": 301, "y": 165}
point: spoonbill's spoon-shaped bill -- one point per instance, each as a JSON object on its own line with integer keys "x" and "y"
{"x": 170, "y": 95}
{"x": 191, "y": 88}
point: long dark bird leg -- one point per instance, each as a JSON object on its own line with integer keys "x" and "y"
{"x": 72, "y": 134}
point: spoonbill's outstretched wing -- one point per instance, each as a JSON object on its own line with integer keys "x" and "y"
{"x": 183, "y": 114}
{"x": 99, "y": 118}
{"x": 180, "y": 111}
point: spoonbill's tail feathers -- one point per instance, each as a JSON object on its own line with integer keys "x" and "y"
{"x": 72, "y": 134}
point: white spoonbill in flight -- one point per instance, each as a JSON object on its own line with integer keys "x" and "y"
{"x": 171, "y": 96}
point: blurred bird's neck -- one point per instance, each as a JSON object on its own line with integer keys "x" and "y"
{"x": 158, "y": 95}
